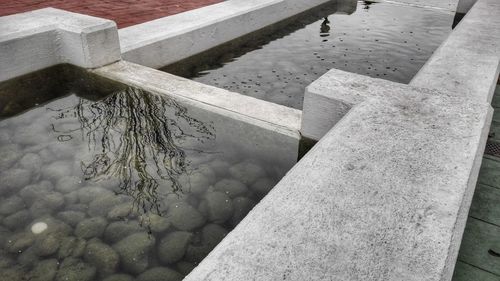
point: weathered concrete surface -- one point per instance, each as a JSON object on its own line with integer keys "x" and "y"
{"x": 42, "y": 38}
{"x": 288, "y": 119}
{"x": 465, "y": 5}
{"x": 164, "y": 41}
{"x": 449, "y": 5}
{"x": 380, "y": 197}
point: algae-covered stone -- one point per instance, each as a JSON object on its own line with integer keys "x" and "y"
{"x": 184, "y": 217}
{"x": 88, "y": 194}
{"x": 17, "y": 220}
{"x": 119, "y": 277}
{"x": 185, "y": 267}
{"x": 241, "y": 207}
{"x": 16, "y": 273}
{"x": 102, "y": 256}
{"x": 19, "y": 241}
{"x": 212, "y": 234}
{"x": 48, "y": 244}
{"x": 134, "y": 252}
{"x": 71, "y": 217}
{"x": 121, "y": 211}
{"x": 71, "y": 247}
{"x": 14, "y": 179}
{"x": 44, "y": 271}
{"x": 92, "y": 227}
{"x": 72, "y": 269}
{"x": 28, "y": 258}
{"x": 247, "y": 172}
{"x": 154, "y": 222}
{"x": 219, "y": 206}
{"x": 68, "y": 183}
{"x": 119, "y": 230}
{"x": 173, "y": 246}
{"x": 160, "y": 274}
{"x": 11, "y": 205}
{"x": 231, "y": 188}
{"x": 263, "y": 186}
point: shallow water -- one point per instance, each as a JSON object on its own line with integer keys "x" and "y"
{"x": 381, "y": 40}
{"x": 112, "y": 183}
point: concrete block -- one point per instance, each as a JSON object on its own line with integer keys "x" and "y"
{"x": 382, "y": 196}
{"x": 42, "y": 38}
{"x": 166, "y": 40}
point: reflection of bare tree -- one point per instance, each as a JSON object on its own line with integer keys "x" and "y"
{"x": 136, "y": 138}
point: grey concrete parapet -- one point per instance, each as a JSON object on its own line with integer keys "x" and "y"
{"x": 380, "y": 197}
{"x": 167, "y": 40}
{"x": 42, "y": 38}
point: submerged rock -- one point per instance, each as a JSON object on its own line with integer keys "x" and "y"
{"x": 184, "y": 217}
{"x": 155, "y": 222}
{"x": 17, "y": 220}
{"x": 263, "y": 186}
{"x": 14, "y": 179}
{"x": 31, "y": 193}
{"x": 119, "y": 230}
{"x": 47, "y": 203}
{"x": 19, "y": 242}
{"x": 134, "y": 252}
{"x": 92, "y": 227}
{"x": 218, "y": 205}
{"x": 160, "y": 274}
{"x": 173, "y": 246}
{"x": 102, "y": 205}
{"x": 68, "y": 184}
{"x": 247, "y": 172}
{"x": 56, "y": 170}
{"x": 185, "y": 267}
{"x": 11, "y": 205}
{"x": 28, "y": 258}
{"x": 46, "y": 245}
{"x": 88, "y": 194}
{"x": 15, "y": 273}
{"x": 231, "y": 188}
{"x": 72, "y": 269}
{"x": 71, "y": 217}
{"x": 71, "y": 247}
{"x": 119, "y": 277}
{"x": 220, "y": 167}
{"x": 44, "y": 270}
{"x": 32, "y": 162}
{"x": 241, "y": 207}
{"x": 9, "y": 154}
{"x": 102, "y": 256}
{"x": 122, "y": 211}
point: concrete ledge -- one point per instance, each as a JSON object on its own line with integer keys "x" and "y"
{"x": 42, "y": 38}
{"x": 167, "y": 40}
{"x": 380, "y": 197}
{"x": 280, "y": 118}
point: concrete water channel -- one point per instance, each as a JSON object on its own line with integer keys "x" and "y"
{"x": 142, "y": 173}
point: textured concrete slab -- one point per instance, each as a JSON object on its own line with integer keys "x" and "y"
{"x": 481, "y": 246}
{"x": 42, "y": 38}
{"x": 375, "y": 207}
{"x": 490, "y": 172}
{"x": 279, "y": 117}
{"x": 486, "y": 204}
{"x": 466, "y": 272}
{"x": 164, "y": 41}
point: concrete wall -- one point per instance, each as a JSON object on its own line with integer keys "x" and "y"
{"x": 42, "y": 38}
{"x": 164, "y": 41}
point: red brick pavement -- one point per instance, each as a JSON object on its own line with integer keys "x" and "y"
{"x": 124, "y": 13}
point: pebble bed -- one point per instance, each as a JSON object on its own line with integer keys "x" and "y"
{"x": 69, "y": 213}
{"x": 382, "y": 40}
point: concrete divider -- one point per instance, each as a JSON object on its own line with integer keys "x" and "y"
{"x": 42, "y": 38}
{"x": 167, "y": 40}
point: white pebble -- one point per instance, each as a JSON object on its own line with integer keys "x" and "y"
{"x": 39, "y": 227}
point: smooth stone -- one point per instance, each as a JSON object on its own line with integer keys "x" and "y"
{"x": 208, "y": 172}
{"x": 53, "y": 226}
{"x": 231, "y": 188}
{"x": 198, "y": 182}
{"x": 68, "y": 183}
{"x": 122, "y": 211}
{"x": 46, "y": 245}
{"x": 28, "y": 258}
{"x": 31, "y": 161}
{"x": 212, "y": 234}
{"x": 196, "y": 253}
{"x": 4, "y": 235}
{"x": 219, "y": 206}
{"x": 77, "y": 207}
{"x": 247, "y": 172}
{"x": 154, "y": 222}
{"x": 102, "y": 205}
{"x": 88, "y": 194}
{"x": 263, "y": 185}
{"x": 9, "y": 154}
{"x": 11, "y": 205}
{"x": 45, "y": 270}
{"x": 71, "y": 198}
{"x": 160, "y": 274}
{"x": 134, "y": 252}
{"x": 19, "y": 242}
{"x": 14, "y": 179}
{"x": 15, "y": 273}
{"x": 47, "y": 203}
{"x": 220, "y": 167}
{"x": 6, "y": 261}
{"x": 102, "y": 256}
{"x": 72, "y": 269}
{"x": 119, "y": 277}
{"x": 92, "y": 227}
{"x": 72, "y": 218}
{"x": 17, "y": 220}
{"x": 39, "y": 227}
{"x": 71, "y": 247}
{"x": 185, "y": 267}
{"x": 119, "y": 230}
{"x": 241, "y": 207}
{"x": 173, "y": 246}
{"x": 31, "y": 192}
{"x": 56, "y": 170}
{"x": 184, "y": 217}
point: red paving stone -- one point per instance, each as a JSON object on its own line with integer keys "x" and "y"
{"x": 124, "y": 13}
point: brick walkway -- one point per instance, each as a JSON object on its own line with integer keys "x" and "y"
{"x": 123, "y": 12}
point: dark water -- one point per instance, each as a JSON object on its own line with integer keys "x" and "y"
{"x": 381, "y": 40}
{"x": 100, "y": 181}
